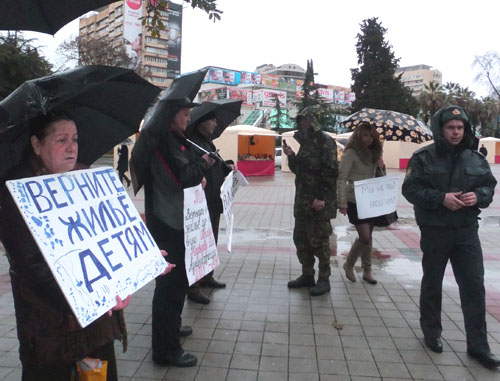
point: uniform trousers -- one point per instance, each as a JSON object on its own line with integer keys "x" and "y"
{"x": 461, "y": 246}
{"x": 311, "y": 238}
{"x": 170, "y": 291}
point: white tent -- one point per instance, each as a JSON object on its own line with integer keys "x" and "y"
{"x": 493, "y": 147}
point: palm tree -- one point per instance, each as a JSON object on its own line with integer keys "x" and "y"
{"x": 431, "y": 99}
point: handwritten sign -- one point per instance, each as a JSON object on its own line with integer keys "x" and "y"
{"x": 201, "y": 250}
{"x": 227, "y": 193}
{"x": 91, "y": 235}
{"x": 377, "y": 196}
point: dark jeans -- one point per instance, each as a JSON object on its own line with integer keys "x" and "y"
{"x": 170, "y": 291}
{"x": 462, "y": 247}
{"x": 63, "y": 372}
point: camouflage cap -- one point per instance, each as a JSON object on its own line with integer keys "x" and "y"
{"x": 453, "y": 112}
{"x": 308, "y": 113}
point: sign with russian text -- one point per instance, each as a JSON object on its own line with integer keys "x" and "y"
{"x": 227, "y": 193}
{"x": 91, "y": 235}
{"x": 201, "y": 249}
{"x": 376, "y": 196}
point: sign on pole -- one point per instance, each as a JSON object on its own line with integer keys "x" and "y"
{"x": 376, "y": 196}
{"x": 227, "y": 192}
{"x": 91, "y": 235}
{"x": 201, "y": 249}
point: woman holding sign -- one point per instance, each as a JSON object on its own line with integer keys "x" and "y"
{"x": 51, "y": 339}
{"x": 360, "y": 161}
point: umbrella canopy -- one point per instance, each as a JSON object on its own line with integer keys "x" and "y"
{"x": 180, "y": 93}
{"x": 106, "y": 103}
{"x": 46, "y": 16}
{"x": 225, "y": 110}
{"x": 391, "y": 125}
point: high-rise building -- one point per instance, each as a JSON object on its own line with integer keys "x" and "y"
{"x": 417, "y": 76}
{"x": 158, "y": 59}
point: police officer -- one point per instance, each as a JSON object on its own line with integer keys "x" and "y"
{"x": 316, "y": 171}
{"x": 447, "y": 182}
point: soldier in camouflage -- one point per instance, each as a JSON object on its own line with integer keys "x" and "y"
{"x": 316, "y": 171}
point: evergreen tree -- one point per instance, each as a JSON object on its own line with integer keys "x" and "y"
{"x": 308, "y": 87}
{"x": 374, "y": 81}
{"x": 19, "y": 61}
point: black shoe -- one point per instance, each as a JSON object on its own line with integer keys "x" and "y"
{"x": 197, "y": 297}
{"x": 322, "y": 287}
{"x": 185, "y": 330}
{"x": 302, "y": 281}
{"x": 434, "y": 344}
{"x": 182, "y": 361}
{"x": 486, "y": 358}
{"x": 211, "y": 282}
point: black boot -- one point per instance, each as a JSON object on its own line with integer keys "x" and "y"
{"x": 302, "y": 281}
{"x": 196, "y": 296}
{"x": 211, "y": 283}
{"x": 322, "y": 287}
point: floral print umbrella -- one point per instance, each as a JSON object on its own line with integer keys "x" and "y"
{"x": 391, "y": 125}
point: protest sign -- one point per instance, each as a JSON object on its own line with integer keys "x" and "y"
{"x": 227, "y": 192}
{"x": 91, "y": 235}
{"x": 201, "y": 249}
{"x": 376, "y": 196}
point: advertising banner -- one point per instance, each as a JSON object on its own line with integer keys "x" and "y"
{"x": 269, "y": 98}
{"x": 326, "y": 94}
{"x": 241, "y": 94}
{"x": 222, "y": 76}
{"x": 132, "y": 32}
{"x": 289, "y": 84}
{"x": 227, "y": 193}
{"x": 376, "y": 196}
{"x": 201, "y": 249}
{"x": 91, "y": 236}
{"x": 340, "y": 97}
{"x": 174, "y": 43}
{"x": 269, "y": 80}
{"x": 249, "y": 78}
{"x": 213, "y": 94}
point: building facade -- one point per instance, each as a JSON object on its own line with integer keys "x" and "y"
{"x": 418, "y": 76}
{"x": 157, "y": 59}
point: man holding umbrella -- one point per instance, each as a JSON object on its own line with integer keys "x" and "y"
{"x": 162, "y": 161}
{"x": 448, "y": 182}
{"x": 208, "y": 121}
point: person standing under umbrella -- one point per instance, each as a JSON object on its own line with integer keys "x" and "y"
{"x": 50, "y": 338}
{"x": 215, "y": 175}
{"x": 361, "y": 157}
{"x": 316, "y": 170}
{"x": 171, "y": 167}
{"x": 448, "y": 182}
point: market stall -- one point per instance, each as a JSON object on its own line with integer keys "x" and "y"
{"x": 493, "y": 147}
{"x": 252, "y": 148}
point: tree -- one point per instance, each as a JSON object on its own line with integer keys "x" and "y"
{"x": 20, "y": 61}
{"x": 279, "y": 120}
{"x": 95, "y": 51}
{"x": 307, "y": 87}
{"x": 374, "y": 81}
{"x": 488, "y": 67}
{"x": 431, "y": 100}
{"x": 153, "y": 22}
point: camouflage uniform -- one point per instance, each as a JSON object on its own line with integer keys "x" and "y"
{"x": 316, "y": 171}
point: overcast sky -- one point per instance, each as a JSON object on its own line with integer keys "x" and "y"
{"x": 444, "y": 34}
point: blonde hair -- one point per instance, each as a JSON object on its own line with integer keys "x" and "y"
{"x": 373, "y": 151}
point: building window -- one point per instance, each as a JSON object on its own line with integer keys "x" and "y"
{"x": 151, "y": 49}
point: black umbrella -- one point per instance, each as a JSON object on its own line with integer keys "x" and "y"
{"x": 106, "y": 103}
{"x": 391, "y": 125}
{"x": 46, "y": 16}
{"x": 180, "y": 93}
{"x": 225, "y": 110}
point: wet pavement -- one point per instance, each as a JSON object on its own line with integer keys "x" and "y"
{"x": 258, "y": 329}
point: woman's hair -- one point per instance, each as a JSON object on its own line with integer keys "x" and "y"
{"x": 40, "y": 126}
{"x": 373, "y": 151}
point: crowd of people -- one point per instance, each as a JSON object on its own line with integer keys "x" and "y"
{"x": 447, "y": 182}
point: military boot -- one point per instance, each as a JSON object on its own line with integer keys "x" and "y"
{"x": 302, "y": 281}
{"x": 366, "y": 263}
{"x": 351, "y": 259}
{"x": 322, "y": 287}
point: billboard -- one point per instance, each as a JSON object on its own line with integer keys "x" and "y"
{"x": 326, "y": 94}
{"x": 250, "y": 78}
{"x": 132, "y": 32}
{"x": 268, "y": 97}
{"x": 174, "y": 43}
{"x": 289, "y": 84}
{"x": 213, "y": 94}
{"x": 222, "y": 76}
{"x": 245, "y": 95}
{"x": 269, "y": 80}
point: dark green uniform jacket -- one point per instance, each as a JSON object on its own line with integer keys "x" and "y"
{"x": 316, "y": 171}
{"x": 440, "y": 168}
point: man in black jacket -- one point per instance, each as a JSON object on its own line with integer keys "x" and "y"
{"x": 447, "y": 182}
